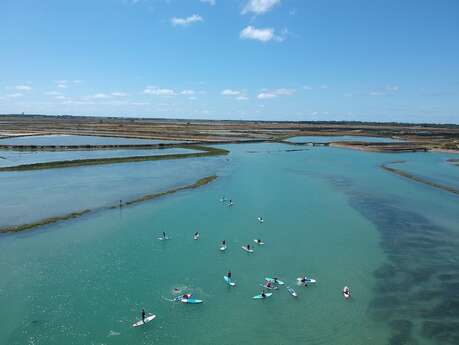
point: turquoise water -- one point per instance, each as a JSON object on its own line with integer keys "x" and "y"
{"x": 432, "y": 167}
{"x": 12, "y": 158}
{"x": 77, "y": 140}
{"x": 325, "y": 139}
{"x": 28, "y": 196}
{"x": 330, "y": 213}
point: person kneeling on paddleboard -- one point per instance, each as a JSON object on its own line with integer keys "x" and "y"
{"x": 263, "y": 294}
{"x": 304, "y": 280}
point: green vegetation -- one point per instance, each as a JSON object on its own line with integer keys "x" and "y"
{"x": 417, "y": 178}
{"x": 197, "y": 184}
{"x": 205, "y": 152}
{"x": 46, "y": 221}
{"x": 22, "y": 227}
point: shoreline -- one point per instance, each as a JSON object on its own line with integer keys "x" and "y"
{"x": 402, "y": 173}
{"x": 76, "y": 214}
{"x": 205, "y": 152}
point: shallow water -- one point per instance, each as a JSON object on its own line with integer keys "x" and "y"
{"x": 433, "y": 167}
{"x": 330, "y": 213}
{"x": 325, "y": 139}
{"x": 28, "y": 196}
{"x": 77, "y": 140}
{"x": 12, "y": 158}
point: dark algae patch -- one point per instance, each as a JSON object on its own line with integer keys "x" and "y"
{"x": 29, "y": 226}
{"x": 417, "y": 289}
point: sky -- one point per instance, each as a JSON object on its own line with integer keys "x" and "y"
{"x": 378, "y": 60}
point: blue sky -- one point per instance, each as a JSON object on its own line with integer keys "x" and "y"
{"x": 366, "y": 60}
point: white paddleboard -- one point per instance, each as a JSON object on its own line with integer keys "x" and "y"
{"x": 279, "y": 282}
{"x": 308, "y": 280}
{"x": 291, "y": 291}
{"x": 164, "y": 238}
{"x": 229, "y": 281}
{"x": 260, "y": 220}
{"x": 196, "y": 237}
{"x": 147, "y": 320}
{"x": 259, "y": 243}
{"x": 247, "y": 250}
{"x": 223, "y": 248}
{"x": 347, "y": 293}
{"x": 268, "y": 294}
{"x": 272, "y": 287}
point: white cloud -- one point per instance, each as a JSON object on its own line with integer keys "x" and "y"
{"x": 61, "y": 97}
{"x": 140, "y": 103}
{"x": 210, "y": 2}
{"x": 259, "y": 6}
{"x": 377, "y": 93}
{"x": 153, "y": 90}
{"x": 307, "y": 87}
{"x": 62, "y": 86}
{"x": 186, "y": 21}
{"x": 242, "y": 98}
{"x": 266, "y": 95}
{"x": 15, "y": 95}
{"x": 192, "y": 98}
{"x": 324, "y": 86}
{"x": 100, "y": 96}
{"x": 23, "y": 87}
{"x": 229, "y": 92}
{"x": 252, "y": 33}
{"x": 284, "y": 92}
{"x": 187, "y": 92}
{"x": 388, "y": 90}
{"x": 392, "y": 88}
{"x": 52, "y": 93}
{"x": 119, "y": 94}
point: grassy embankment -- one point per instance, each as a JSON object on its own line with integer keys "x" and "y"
{"x": 29, "y": 226}
{"x": 417, "y": 178}
{"x": 205, "y": 152}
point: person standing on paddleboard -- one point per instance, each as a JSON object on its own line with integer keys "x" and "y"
{"x": 229, "y": 274}
{"x": 143, "y": 315}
